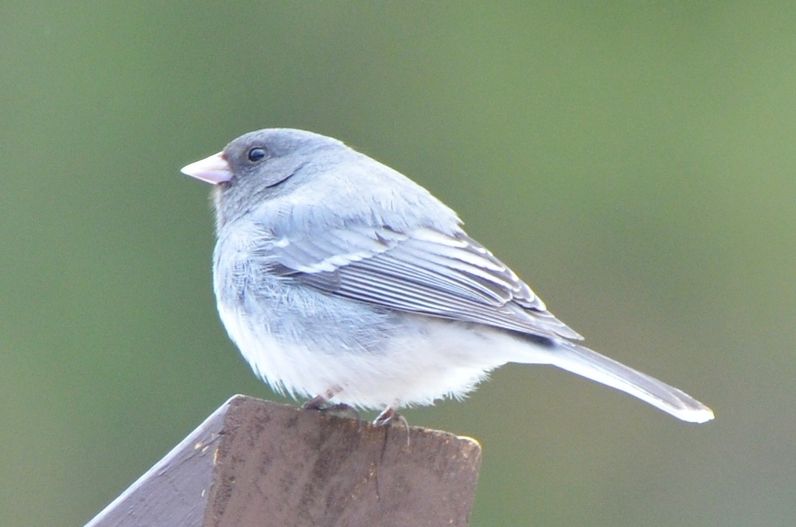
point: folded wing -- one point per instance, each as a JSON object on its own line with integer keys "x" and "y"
{"x": 424, "y": 271}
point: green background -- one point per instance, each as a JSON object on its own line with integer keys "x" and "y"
{"x": 635, "y": 162}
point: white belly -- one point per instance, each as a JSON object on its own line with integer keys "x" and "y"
{"x": 429, "y": 361}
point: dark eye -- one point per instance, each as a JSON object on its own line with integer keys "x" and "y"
{"x": 256, "y": 154}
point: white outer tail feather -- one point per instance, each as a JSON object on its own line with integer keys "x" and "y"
{"x": 590, "y": 364}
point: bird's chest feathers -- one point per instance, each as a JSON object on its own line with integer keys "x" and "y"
{"x": 236, "y": 268}
{"x": 244, "y": 285}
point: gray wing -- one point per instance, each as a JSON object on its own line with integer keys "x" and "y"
{"x": 423, "y": 271}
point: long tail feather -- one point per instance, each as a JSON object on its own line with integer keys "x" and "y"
{"x": 590, "y": 364}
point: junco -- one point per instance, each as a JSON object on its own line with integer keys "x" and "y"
{"x": 341, "y": 280}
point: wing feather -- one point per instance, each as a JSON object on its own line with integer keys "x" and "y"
{"x": 423, "y": 272}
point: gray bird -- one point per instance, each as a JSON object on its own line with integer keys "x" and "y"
{"x": 341, "y": 280}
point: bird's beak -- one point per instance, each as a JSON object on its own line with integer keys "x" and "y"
{"x": 214, "y": 169}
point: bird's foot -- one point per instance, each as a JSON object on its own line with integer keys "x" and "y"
{"x": 389, "y": 416}
{"x": 322, "y": 404}
{"x": 341, "y": 410}
{"x": 386, "y": 417}
{"x": 321, "y": 401}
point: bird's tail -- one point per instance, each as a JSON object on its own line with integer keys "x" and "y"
{"x": 590, "y": 364}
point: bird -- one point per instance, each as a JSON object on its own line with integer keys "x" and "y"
{"x": 342, "y": 281}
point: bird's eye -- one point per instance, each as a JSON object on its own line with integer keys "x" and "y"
{"x": 256, "y": 154}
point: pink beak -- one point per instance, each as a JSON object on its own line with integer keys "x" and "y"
{"x": 214, "y": 169}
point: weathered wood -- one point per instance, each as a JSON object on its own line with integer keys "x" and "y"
{"x": 256, "y": 463}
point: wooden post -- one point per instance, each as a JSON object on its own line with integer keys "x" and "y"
{"x": 257, "y": 463}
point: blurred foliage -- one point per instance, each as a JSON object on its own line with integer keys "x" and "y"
{"x": 634, "y": 161}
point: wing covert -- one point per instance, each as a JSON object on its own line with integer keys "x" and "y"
{"x": 423, "y": 272}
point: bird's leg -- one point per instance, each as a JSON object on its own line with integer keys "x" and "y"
{"x": 388, "y": 416}
{"x": 321, "y": 403}
{"x": 385, "y": 417}
{"x": 316, "y": 403}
